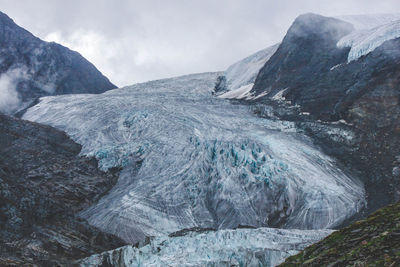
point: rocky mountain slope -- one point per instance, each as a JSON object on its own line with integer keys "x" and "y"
{"x": 374, "y": 241}
{"x": 31, "y": 68}
{"x": 43, "y": 184}
{"x": 316, "y": 70}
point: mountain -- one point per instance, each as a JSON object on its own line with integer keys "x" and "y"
{"x": 44, "y": 183}
{"x": 307, "y": 52}
{"x": 336, "y": 73}
{"x": 31, "y": 68}
{"x": 374, "y": 241}
{"x": 312, "y": 145}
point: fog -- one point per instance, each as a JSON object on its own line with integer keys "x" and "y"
{"x": 9, "y": 98}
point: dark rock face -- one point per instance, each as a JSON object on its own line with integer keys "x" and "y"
{"x": 315, "y": 75}
{"x": 43, "y": 184}
{"x": 306, "y": 54}
{"x": 38, "y": 68}
{"x": 371, "y": 242}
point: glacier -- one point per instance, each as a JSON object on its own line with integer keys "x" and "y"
{"x": 190, "y": 159}
{"x": 371, "y": 32}
{"x": 240, "y": 247}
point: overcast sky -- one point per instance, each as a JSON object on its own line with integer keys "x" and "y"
{"x": 132, "y": 41}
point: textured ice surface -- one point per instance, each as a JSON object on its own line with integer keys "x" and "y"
{"x": 367, "y": 39}
{"x": 244, "y": 72}
{"x": 204, "y": 162}
{"x": 242, "y": 247}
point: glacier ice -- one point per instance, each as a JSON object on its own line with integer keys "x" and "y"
{"x": 241, "y": 247}
{"x": 193, "y": 160}
{"x": 370, "y": 34}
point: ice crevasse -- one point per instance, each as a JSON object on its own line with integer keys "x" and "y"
{"x": 241, "y": 247}
{"x": 192, "y": 160}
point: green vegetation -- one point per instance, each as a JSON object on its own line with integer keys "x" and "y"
{"x": 374, "y": 241}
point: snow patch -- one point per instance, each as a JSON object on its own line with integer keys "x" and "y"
{"x": 245, "y": 71}
{"x": 240, "y": 93}
{"x": 279, "y": 96}
{"x": 335, "y": 67}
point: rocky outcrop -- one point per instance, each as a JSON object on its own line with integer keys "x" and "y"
{"x": 43, "y": 184}
{"x": 31, "y": 68}
{"x": 374, "y": 241}
{"x": 311, "y": 72}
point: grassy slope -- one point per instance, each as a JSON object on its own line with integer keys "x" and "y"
{"x": 374, "y": 241}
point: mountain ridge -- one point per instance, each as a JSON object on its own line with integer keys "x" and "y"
{"x": 31, "y": 68}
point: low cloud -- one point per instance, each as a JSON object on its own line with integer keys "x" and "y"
{"x": 9, "y": 97}
{"x": 133, "y": 41}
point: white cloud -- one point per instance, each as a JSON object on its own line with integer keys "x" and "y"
{"x": 132, "y": 41}
{"x": 9, "y": 98}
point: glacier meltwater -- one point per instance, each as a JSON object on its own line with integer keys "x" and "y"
{"x": 190, "y": 159}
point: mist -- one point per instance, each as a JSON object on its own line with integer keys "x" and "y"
{"x": 9, "y": 97}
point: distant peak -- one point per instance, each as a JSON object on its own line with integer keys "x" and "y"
{"x": 311, "y": 23}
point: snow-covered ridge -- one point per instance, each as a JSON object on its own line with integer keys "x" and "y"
{"x": 244, "y": 72}
{"x": 372, "y": 31}
{"x": 241, "y": 247}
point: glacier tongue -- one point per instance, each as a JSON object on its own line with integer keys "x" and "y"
{"x": 192, "y": 160}
{"x": 241, "y": 247}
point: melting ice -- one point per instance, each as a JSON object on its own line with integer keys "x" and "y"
{"x": 241, "y": 247}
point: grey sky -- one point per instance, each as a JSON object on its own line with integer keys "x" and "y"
{"x": 134, "y": 41}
